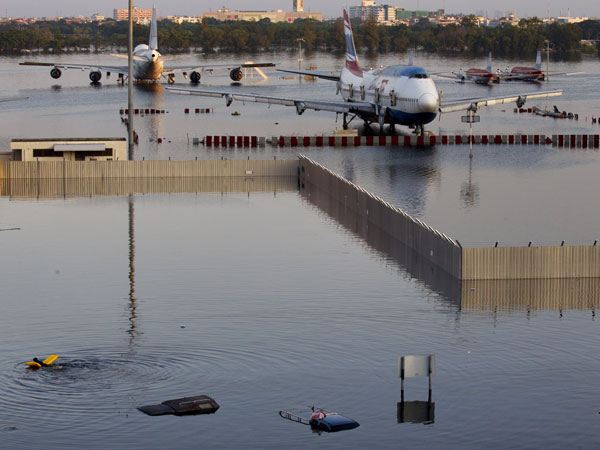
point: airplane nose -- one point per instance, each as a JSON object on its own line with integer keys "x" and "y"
{"x": 428, "y": 103}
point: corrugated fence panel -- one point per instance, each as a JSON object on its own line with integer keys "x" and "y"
{"x": 504, "y": 263}
{"x": 85, "y": 187}
{"x": 428, "y": 243}
{"x": 147, "y": 169}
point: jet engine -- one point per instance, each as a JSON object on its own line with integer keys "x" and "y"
{"x": 195, "y": 77}
{"x": 236, "y": 74}
{"x": 55, "y": 73}
{"x": 95, "y": 76}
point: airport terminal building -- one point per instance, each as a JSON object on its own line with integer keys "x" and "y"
{"x": 69, "y": 149}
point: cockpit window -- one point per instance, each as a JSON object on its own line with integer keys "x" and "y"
{"x": 419, "y": 75}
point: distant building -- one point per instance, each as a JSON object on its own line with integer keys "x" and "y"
{"x": 70, "y": 149}
{"x": 388, "y": 14}
{"x": 139, "y": 15}
{"x": 224, "y": 14}
{"x": 570, "y": 19}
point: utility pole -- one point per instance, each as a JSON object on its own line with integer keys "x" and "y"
{"x": 130, "y": 84}
{"x": 300, "y": 41}
{"x": 547, "y": 60}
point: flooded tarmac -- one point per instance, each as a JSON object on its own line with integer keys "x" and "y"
{"x": 267, "y": 301}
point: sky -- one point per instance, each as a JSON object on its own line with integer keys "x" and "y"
{"x": 330, "y": 8}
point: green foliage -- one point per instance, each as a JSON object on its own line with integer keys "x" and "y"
{"x": 210, "y": 36}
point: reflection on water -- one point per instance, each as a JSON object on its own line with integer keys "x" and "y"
{"x": 133, "y": 332}
{"x": 469, "y": 191}
{"x": 281, "y": 307}
{"x": 484, "y": 295}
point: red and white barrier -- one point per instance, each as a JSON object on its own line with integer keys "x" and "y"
{"x": 570, "y": 140}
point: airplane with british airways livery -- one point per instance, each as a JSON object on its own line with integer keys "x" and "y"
{"x": 394, "y": 95}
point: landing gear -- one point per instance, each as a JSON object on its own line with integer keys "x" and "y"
{"x": 345, "y": 121}
{"x": 419, "y": 130}
{"x": 171, "y": 78}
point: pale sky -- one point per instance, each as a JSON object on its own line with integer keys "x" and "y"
{"x": 330, "y": 8}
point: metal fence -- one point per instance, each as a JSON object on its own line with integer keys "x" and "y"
{"x": 48, "y": 188}
{"x": 146, "y": 169}
{"x": 428, "y": 243}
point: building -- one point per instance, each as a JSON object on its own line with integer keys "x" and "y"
{"x": 139, "y": 15}
{"x": 225, "y": 15}
{"x": 70, "y": 149}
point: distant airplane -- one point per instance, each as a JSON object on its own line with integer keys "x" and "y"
{"x": 478, "y": 76}
{"x": 534, "y": 73}
{"x": 148, "y": 65}
{"x": 403, "y": 95}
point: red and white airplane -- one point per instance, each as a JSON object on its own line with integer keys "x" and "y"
{"x": 397, "y": 95}
{"x": 479, "y": 76}
{"x": 535, "y": 73}
{"x": 149, "y": 66}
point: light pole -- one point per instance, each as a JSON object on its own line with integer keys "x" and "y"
{"x": 300, "y": 41}
{"x": 130, "y": 84}
{"x": 547, "y": 42}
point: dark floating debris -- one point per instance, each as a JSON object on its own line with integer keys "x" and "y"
{"x": 321, "y": 420}
{"x": 201, "y": 404}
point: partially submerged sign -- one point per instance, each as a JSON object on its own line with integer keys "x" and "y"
{"x": 201, "y": 404}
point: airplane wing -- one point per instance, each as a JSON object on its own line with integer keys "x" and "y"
{"x": 472, "y": 104}
{"x": 213, "y": 67}
{"x": 300, "y": 104}
{"x": 331, "y": 76}
{"x": 115, "y": 69}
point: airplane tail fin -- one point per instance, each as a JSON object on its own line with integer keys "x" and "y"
{"x": 351, "y": 57}
{"x": 153, "y": 42}
{"x": 538, "y": 60}
{"x": 489, "y": 66}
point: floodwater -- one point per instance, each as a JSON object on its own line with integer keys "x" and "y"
{"x": 265, "y": 301}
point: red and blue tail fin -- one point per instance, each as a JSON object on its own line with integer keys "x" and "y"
{"x": 351, "y": 57}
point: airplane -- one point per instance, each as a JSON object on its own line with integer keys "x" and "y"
{"x": 149, "y": 66}
{"x": 478, "y": 76}
{"x": 397, "y": 95}
{"x": 534, "y": 73}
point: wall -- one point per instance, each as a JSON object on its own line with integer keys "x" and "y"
{"x": 147, "y": 169}
{"x": 428, "y": 243}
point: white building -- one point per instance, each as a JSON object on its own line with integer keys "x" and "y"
{"x": 69, "y": 149}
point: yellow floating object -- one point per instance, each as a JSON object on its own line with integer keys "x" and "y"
{"x": 50, "y": 359}
{"x": 36, "y": 365}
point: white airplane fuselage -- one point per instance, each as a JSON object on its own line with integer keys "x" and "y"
{"x": 147, "y": 63}
{"x": 405, "y": 95}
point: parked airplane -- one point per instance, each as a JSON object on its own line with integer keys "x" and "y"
{"x": 479, "y": 76}
{"x": 403, "y": 95}
{"x": 524, "y": 73}
{"x": 148, "y": 65}
{"x": 534, "y": 73}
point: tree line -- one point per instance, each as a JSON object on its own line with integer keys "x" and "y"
{"x": 236, "y": 37}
